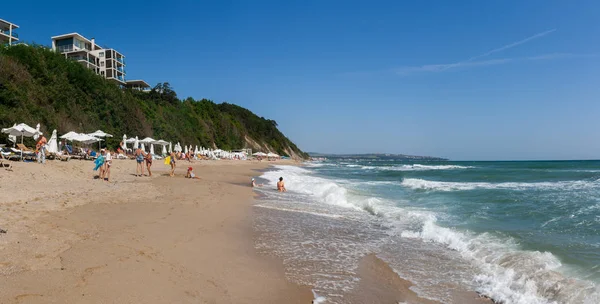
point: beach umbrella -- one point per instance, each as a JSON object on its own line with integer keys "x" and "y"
{"x": 142, "y": 146}
{"x": 53, "y": 143}
{"x": 164, "y": 145}
{"x": 136, "y": 143}
{"x": 37, "y": 132}
{"x": 70, "y": 135}
{"x": 186, "y": 149}
{"x": 148, "y": 140}
{"x": 196, "y": 152}
{"x": 13, "y": 139}
{"x": 124, "y": 146}
{"x": 100, "y": 134}
{"x": 170, "y": 147}
{"x": 21, "y": 130}
{"x": 130, "y": 140}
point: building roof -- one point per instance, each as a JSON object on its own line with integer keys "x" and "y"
{"x": 6, "y": 22}
{"x": 70, "y": 35}
{"x": 138, "y": 82}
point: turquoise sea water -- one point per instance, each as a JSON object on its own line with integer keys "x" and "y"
{"x": 520, "y": 232}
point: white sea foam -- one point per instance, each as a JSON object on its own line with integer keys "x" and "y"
{"x": 510, "y": 275}
{"x": 416, "y": 183}
{"x": 318, "y": 299}
{"x": 506, "y": 272}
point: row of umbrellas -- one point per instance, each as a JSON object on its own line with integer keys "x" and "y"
{"x": 24, "y": 130}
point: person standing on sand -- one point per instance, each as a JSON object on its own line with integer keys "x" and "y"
{"x": 139, "y": 158}
{"x": 40, "y": 148}
{"x": 281, "y": 185}
{"x": 172, "y": 163}
{"x": 107, "y": 164}
{"x": 149, "y": 163}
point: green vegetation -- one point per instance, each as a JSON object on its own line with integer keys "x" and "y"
{"x": 38, "y": 85}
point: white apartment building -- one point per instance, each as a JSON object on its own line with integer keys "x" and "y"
{"x": 104, "y": 61}
{"x": 7, "y": 32}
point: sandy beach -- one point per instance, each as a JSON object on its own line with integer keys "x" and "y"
{"x": 71, "y": 238}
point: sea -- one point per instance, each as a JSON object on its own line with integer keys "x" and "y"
{"x": 517, "y": 232}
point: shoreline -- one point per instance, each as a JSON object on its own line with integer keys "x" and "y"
{"x": 71, "y": 239}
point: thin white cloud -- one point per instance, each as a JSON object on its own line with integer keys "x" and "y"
{"x": 512, "y": 45}
{"x": 482, "y": 63}
{"x": 473, "y": 62}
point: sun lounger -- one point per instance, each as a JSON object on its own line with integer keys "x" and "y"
{"x": 23, "y": 148}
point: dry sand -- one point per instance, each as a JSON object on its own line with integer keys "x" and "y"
{"x": 74, "y": 239}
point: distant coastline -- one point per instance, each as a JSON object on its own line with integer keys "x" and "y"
{"x": 375, "y": 156}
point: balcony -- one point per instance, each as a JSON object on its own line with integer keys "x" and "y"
{"x": 81, "y": 58}
{"x": 121, "y": 69}
{"x": 7, "y": 33}
{"x": 121, "y": 60}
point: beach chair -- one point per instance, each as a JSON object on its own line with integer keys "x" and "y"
{"x": 23, "y": 148}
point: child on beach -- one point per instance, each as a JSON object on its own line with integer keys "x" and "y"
{"x": 107, "y": 164}
{"x": 149, "y": 163}
{"x": 190, "y": 173}
{"x": 173, "y": 164}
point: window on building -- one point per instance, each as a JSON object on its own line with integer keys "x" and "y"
{"x": 102, "y": 63}
{"x": 101, "y": 54}
{"x": 102, "y": 73}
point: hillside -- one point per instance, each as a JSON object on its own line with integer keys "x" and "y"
{"x": 38, "y": 85}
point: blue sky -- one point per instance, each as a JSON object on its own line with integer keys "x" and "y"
{"x": 467, "y": 80}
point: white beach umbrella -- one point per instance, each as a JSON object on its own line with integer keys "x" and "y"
{"x": 124, "y": 146}
{"x": 100, "y": 133}
{"x": 271, "y": 154}
{"x": 196, "y": 151}
{"x": 86, "y": 139}
{"x": 37, "y": 132}
{"x": 186, "y": 149}
{"x": 170, "y": 147}
{"x": 22, "y": 130}
{"x": 130, "y": 140}
{"x": 259, "y": 154}
{"x": 70, "y": 135}
{"x": 152, "y": 149}
{"x": 53, "y": 143}
{"x": 164, "y": 150}
{"x": 136, "y": 143}
{"x": 142, "y": 146}
{"x": 148, "y": 140}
